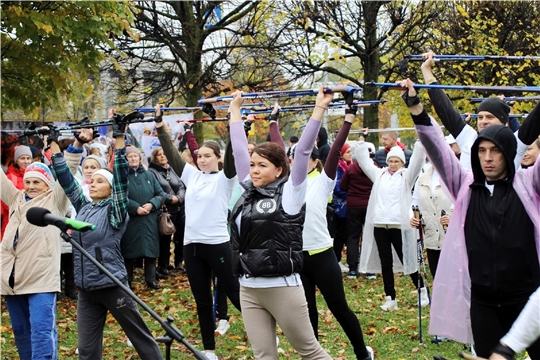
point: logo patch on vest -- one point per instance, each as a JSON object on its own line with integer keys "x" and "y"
{"x": 266, "y": 206}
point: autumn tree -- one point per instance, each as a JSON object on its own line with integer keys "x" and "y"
{"x": 48, "y": 46}
{"x": 318, "y": 35}
{"x": 186, "y": 49}
{"x": 487, "y": 28}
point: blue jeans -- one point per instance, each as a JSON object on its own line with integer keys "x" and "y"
{"x": 33, "y": 318}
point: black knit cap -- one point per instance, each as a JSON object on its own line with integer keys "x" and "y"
{"x": 497, "y": 107}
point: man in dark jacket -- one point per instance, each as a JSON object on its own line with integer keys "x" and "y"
{"x": 492, "y": 111}
{"x": 322, "y": 144}
{"x": 389, "y": 140}
{"x": 496, "y": 206}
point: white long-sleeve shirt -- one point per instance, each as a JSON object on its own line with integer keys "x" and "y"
{"x": 526, "y": 329}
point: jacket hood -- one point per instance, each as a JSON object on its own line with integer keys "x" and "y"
{"x": 505, "y": 140}
{"x": 323, "y": 137}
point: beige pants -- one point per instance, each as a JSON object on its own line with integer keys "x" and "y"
{"x": 262, "y": 308}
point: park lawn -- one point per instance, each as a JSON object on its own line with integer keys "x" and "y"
{"x": 393, "y": 335}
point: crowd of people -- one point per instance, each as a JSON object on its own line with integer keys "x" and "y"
{"x": 266, "y": 225}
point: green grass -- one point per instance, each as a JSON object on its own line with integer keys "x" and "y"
{"x": 393, "y": 335}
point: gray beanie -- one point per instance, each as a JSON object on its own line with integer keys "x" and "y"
{"x": 497, "y": 107}
{"x": 21, "y": 150}
{"x": 101, "y": 161}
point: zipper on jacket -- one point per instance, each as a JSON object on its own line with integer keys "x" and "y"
{"x": 493, "y": 233}
{"x": 80, "y": 243}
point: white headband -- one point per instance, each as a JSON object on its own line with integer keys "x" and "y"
{"x": 106, "y": 174}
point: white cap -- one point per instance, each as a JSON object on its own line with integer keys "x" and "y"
{"x": 396, "y": 151}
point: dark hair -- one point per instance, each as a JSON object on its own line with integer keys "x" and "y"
{"x": 275, "y": 154}
{"x": 214, "y": 146}
{"x": 293, "y": 139}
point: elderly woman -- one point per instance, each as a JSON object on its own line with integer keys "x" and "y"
{"x": 175, "y": 192}
{"x": 30, "y": 261}
{"x": 141, "y": 239}
{"x": 98, "y": 293}
{"x": 388, "y": 232}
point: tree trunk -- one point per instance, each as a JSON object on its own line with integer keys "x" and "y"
{"x": 371, "y": 63}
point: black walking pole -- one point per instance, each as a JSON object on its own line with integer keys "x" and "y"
{"x": 171, "y": 332}
{"x": 416, "y": 213}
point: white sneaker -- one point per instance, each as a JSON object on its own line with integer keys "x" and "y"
{"x": 210, "y": 355}
{"x": 370, "y": 352}
{"x": 371, "y": 276}
{"x": 223, "y": 326}
{"x": 473, "y": 352}
{"x": 77, "y": 351}
{"x": 424, "y": 298}
{"x": 343, "y": 268}
{"x": 389, "y": 304}
{"x": 129, "y": 343}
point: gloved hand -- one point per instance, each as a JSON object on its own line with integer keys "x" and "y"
{"x": 274, "y": 116}
{"x": 351, "y": 109}
{"x": 118, "y": 125}
{"x": 188, "y": 126}
{"x": 53, "y": 135}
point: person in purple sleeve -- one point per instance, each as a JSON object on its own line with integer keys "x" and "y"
{"x": 490, "y": 267}
{"x": 266, "y": 229}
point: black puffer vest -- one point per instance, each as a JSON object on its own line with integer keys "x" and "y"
{"x": 270, "y": 241}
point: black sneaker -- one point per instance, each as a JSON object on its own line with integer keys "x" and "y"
{"x": 352, "y": 275}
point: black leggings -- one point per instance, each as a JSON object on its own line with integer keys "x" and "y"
{"x": 433, "y": 260}
{"x": 165, "y": 243}
{"x": 385, "y": 239}
{"x": 201, "y": 261}
{"x": 340, "y": 237}
{"x": 322, "y": 270}
{"x": 490, "y": 323}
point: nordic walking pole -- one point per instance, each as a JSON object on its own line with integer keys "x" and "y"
{"x": 418, "y": 57}
{"x": 394, "y": 86}
{"x": 416, "y": 213}
{"x": 280, "y": 94}
{"x": 508, "y": 98}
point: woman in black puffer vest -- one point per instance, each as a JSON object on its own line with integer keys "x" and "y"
{"x": 175, "y": 192}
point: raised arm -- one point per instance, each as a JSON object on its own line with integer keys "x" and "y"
{"x": 172, "y": 154}
{"x": 64, "y": 168}
{"x": 331, "y": 164}
{"x": 451, "y": 172}
{"x": 191, "y": 142}
{"x": 238, "y": 138}
{"x": 415, "y": 164}
{"x": 275, "y": 135}
{"x": 450, "y": 117}
{"x": 361, "y": 153}
{"x": 8, "y": 191}
{"x": 305, "y": 144}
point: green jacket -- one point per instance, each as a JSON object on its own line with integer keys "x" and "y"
{"x": 141, "y": 238}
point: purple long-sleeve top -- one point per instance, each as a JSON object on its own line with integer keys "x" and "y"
{"x": 301, "y": 155}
